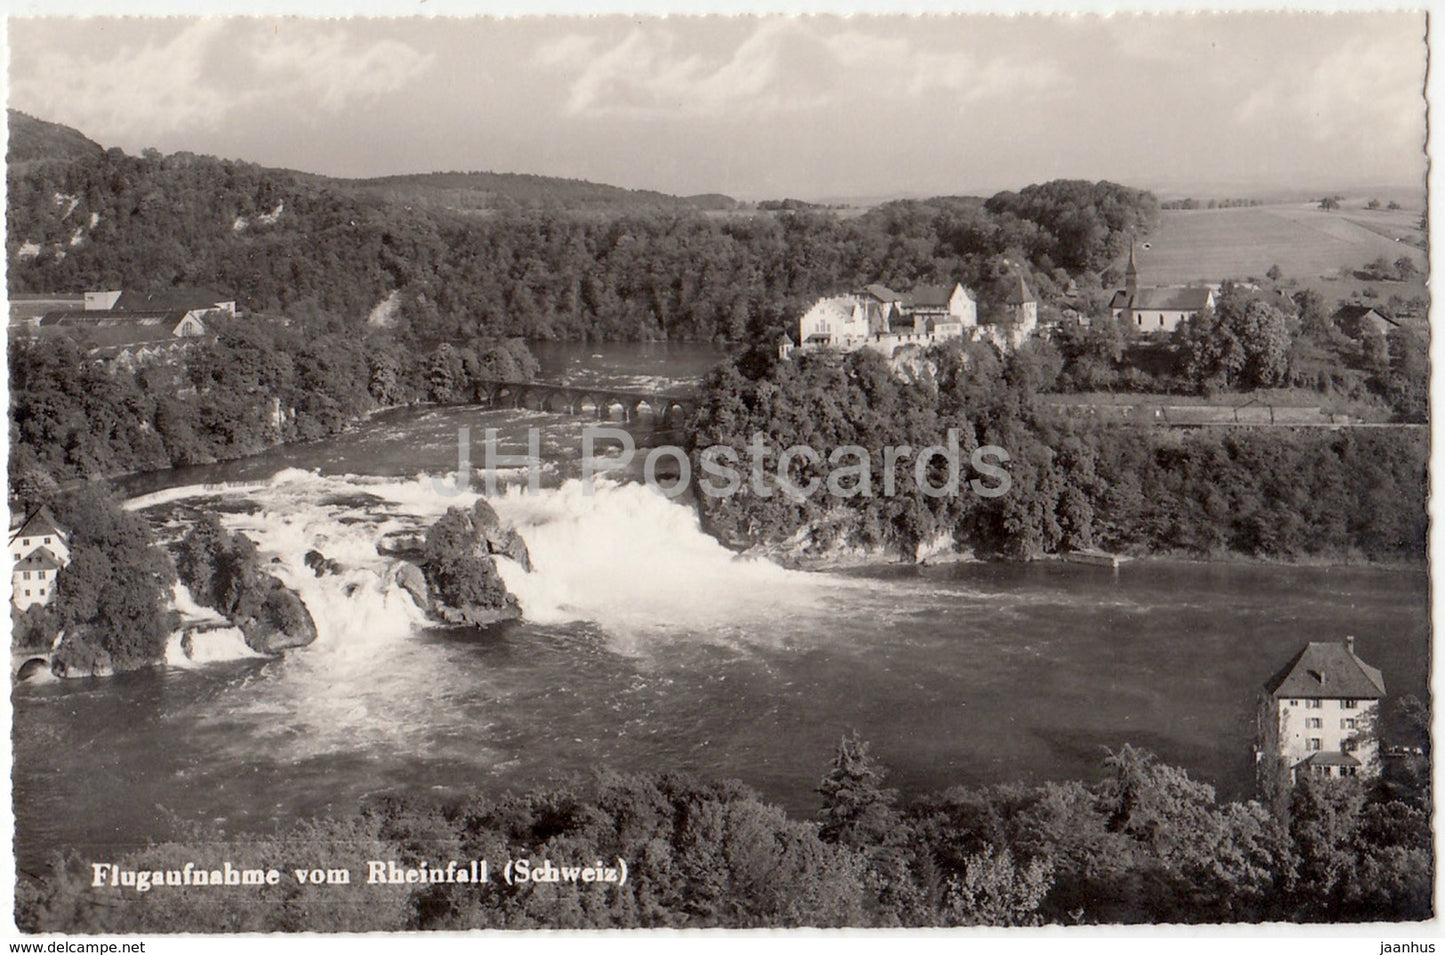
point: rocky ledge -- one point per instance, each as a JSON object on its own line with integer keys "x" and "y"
{"x": 221, "y": 570}
{"x": 455, "y": 576}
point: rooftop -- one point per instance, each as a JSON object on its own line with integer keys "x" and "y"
{"x": 1168, "y": 298}
{"x": 1019, "y": 293}
{"x": 882, "y": 293}
{"x": 38, "y": 524}
{"x": 184, "y": 299}
{"x": 41, "y": 558}
{"x": 1328, "y": 759}
{"x": 929, "y": 296}
{"x": 1327, "y": 671}
{"x": 1350, "y": 313}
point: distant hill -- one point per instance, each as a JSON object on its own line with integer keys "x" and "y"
{"x": 35, "y": 140}
{"x": 495, "y": 191}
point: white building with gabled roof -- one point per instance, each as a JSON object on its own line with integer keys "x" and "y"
{"x": 39, "y": 548}
{"x": 1158, "y": 309}
{"x": 1321, "y": 712}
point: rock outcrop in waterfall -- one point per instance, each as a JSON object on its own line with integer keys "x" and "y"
{"x": 222, "y": 571}
{"x": 455, "y": 571}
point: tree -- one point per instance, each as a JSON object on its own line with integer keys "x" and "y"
{"x": 218, "y": 566}
{"x": 1329, "y": 203}
{"x": 1274, "y": 274}
{"x": 1380, "y": 269}
{"x": 1405, "y": 268}
{"x": 1408, "y": 382}
{"x": 1373, "y": 204}
{"x": 1244, "y": 342}
{"x": 111, "y": 599}
{"x": 857, "y": 811}
{"x": 995, "y": 890}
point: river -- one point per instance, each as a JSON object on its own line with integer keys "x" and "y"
{"x": 647, "y": 646}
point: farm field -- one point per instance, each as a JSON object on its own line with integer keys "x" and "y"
{"x": 1314, "y": 248}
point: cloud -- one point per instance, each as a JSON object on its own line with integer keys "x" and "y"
{"x": 207, "y": 71}
{"x": 782, "y": 65}
{"x": 972, "y": 80}
{"x": 650, "y": 71}
{"x": 1363, "y": 90}
{"x": 161, "y": 85}
{"x": 564, "y": 50}
{"x": 334, "y": 70}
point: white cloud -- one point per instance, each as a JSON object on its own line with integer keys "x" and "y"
{"x": 160, "y": 85}
{"x": 564, "y": 50}
{"x": 1364, "y": 90}
{"x": 208, "y": 70}
{"x": 334, "y": 70}
{"x": 782, "y": 65}
{"x": 649, "y": 71}
{"x": 972, "y": 80}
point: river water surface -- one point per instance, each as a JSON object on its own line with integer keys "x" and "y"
{"x": 647, "y": 646}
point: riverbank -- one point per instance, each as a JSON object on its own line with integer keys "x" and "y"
{"x": 646, "y": 644}
{"x": 846, "y": 557}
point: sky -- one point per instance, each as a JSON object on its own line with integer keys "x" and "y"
{"x": 759, "y": 107}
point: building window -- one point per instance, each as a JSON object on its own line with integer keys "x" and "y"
{"x": 1140, "y": 320}
{"x": 1314, "y": 723}
{"x": 1314, "y": 704}
{"x": 25, "y": 575}
{"x": 1347, "y": 724}
{"x": 1161, "y": 321}
{"x": 42, "y": 574}
{"x": 1314, "y": 744}
{"x": 27, "y": 593}
{"x": 42, "y": 591}
{"x": 1349, "y": 745}
{"x": 1349, "y": 704}
{"x": 47, "y": 540}
{"x": 1294, "y": 702}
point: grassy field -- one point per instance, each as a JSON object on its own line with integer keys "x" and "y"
{"x": 1314, "y": 249}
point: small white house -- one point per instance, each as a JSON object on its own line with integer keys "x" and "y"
{"x": 33, "y": 580}
{"x": 39, "y": 548}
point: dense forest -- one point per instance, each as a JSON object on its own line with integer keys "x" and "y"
{"x": 284, "y": 241}
{"x": 256, "y": 383}
{"x": 1073, "y": 484}
{"x": 1146, "y": 843}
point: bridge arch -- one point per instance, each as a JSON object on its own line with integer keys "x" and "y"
{"x": 554, "y": 402}
{"x": 674, "y": 412}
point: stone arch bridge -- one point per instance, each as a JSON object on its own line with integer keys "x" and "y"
{"x": 665, "y": 409}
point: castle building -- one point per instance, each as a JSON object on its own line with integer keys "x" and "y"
{"x": 1320, "y": 712}
{"x": 880, "y": 319}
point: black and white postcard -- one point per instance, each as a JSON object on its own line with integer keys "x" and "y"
{"x": 782, "y": 471}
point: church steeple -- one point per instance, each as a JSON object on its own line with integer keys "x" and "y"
{"x": 1131, "y": 271}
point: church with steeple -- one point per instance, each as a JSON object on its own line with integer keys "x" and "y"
{"x": 1159, "y": 309}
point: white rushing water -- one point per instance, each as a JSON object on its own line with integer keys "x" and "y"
{"x": 621, "y": 556}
